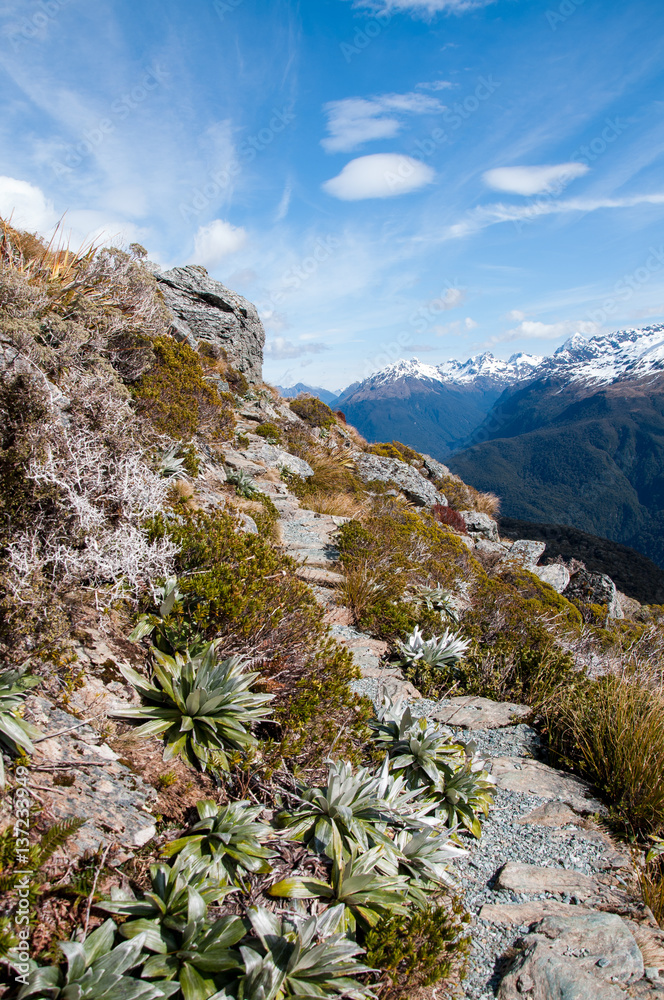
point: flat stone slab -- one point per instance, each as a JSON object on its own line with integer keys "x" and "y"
{"x": 553, "y": 813}
{"x": 574, "y": 957}
{"x": 518, "y": 774}
{"x": 113, "y": 800}
{"x": 520, "y": 914}
{"x": 534, "y": 879}
{"x": 319, "y": 576}
{"x": 481, "y": 713}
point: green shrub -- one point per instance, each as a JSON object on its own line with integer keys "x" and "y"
{"x": 526, "y": 676}
{"x": 419, "y": 949}
{"x": 313, "y": 411}
{"x": 269, "y": 431}
{"x": 176, "y": 397}
{"x": 395, "y": 449}
{"x": 16, "y": 734}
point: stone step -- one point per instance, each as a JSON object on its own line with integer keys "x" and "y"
{"x": 481, "y": 713}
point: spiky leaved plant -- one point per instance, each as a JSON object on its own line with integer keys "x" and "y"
{"x": 179, "y": 894}
{"x": 95, "y": 970}
{"x": 171, "y": 627}
{"x": 438, "y": 599}
{"x": 349, "y": 811}
{"x": 228, "y": 840}
{"x": 15, "y": 733}
{"x": 169, "y": 464}
{"x": 203, "y": 707}
{"x": 307, "y": 957}
{"x": 447, "y": 773}
{"x": 243, "y": 483}
{"x": 425, "y": 856}
{"x": 367, "y": 894}
{"x": 445, "y": 650}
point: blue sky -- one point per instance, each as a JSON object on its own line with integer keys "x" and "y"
{"x": 383, "y": 179}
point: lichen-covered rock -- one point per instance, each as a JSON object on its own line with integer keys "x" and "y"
{"x": 574, "y": 957}
{"x": 276, "y": 458}
{"x": 205, "y": 310}
{"x": 435, "y": 468}
{"x": 471, "y": 712}
{"x": 526, "y": 553}
{"x": 479, "y": 525}
{"x": 412, "y": 483}
{"x": 594, "y": 588}
{"x": 555, "y": 574}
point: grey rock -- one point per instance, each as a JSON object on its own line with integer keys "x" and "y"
{"x": 481, "y": 713}
{"x": 205, "y": 310}
{"x": 554, "y": 813}
{"x": 276, "y": 458}
{"x": 535, "y": 879}
{"x": 534, "y": 778}
{"x": 238, "y": 461}
{"x": 594, "y": 588}
{"x": 525, "y": 553}
{"x": 555, "y": 574}
{"x": 518, "y": 914}
{"x": 480, "y": 525}
{"x": 574, "y": 956}
{"x": 435, "y": 468}
{"x": 114, "y": 801}
{"x": 419, "y": 490}
{"x": 248, "y": 525}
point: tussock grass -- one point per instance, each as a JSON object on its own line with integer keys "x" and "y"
{"x": 337, "y": 504}
{"x": 613, "y": 733}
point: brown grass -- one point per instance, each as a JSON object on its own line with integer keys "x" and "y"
{"x": 336, "y": 504}
{"x": 363, "y": 587}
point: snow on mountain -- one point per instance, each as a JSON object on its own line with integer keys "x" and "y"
{"x": 600, "y": 359}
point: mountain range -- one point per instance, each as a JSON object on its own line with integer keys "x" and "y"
{"x": 574, "y": 438}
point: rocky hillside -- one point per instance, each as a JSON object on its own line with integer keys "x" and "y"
{"x": 281, "y": 713}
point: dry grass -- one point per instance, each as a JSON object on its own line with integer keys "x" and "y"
{"x": 461, "y": 496}
{"x": 362, "y": 588}
{"x": 487, "y": 503}
{"x": 336, "y": 504}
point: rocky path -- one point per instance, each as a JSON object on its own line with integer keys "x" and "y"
{"x": 555, "y": 912}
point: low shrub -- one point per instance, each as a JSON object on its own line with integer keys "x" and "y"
{"x": 419, "y": 949}
{"x": 313, "y": 411}
{"x": 461, "y": 496}
{"x": 449, "y": 516}
{"x": 269, "y": 431}
{"x": 176, "y": 397}
{"x": 236, "y": 381}
{"x": 525, "y": 676}
{"x": 395, "y": 449}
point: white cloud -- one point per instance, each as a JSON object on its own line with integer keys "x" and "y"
{"x": 544, "y": 179}
{"x": 215, "y": 241}
{"x": 470, "y": 324}
{"x": 436, "y": 85}
{"x": 425, "y": 6}
{"x": 26, "y": 205}
{"x": 381, "y": 175}
{"x": 357, "y": 120}
{"x": 516, "y": 315}
{"x": 489, "y": 215}
{"x": 279, "y": 348}
{"x": 284, "y": 204}
{"x": 535, "y": 330}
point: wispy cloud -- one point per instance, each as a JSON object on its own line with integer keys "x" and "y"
{"x": 425, "y": 6}
{"x": 534, "y": 180}
{"x": 279, "y": 348}
{"x": 490, "y": 215}
{"x": 381, "y": 175}
{"x": 215, "y": 241}
{"x": 436, "y": 85}
{"x": 357, "y": 120}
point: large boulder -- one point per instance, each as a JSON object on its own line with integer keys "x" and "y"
{"x": 205, "y": 310}
{"x": 479, "y": 525}
{"x": 525, "y": 553}
{"x": 594, "y": 588}
{"x": 412, "y": 483}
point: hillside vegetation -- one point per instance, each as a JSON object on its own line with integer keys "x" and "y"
{"x": 298, "y": 840}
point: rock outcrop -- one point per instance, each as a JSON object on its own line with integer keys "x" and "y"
{"x": 412, "y": 483}
{"x": 205, "y": 310}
